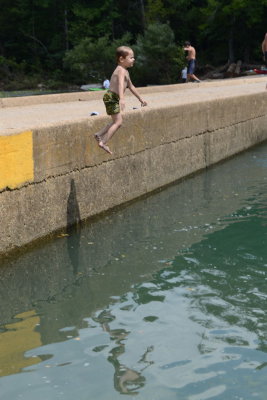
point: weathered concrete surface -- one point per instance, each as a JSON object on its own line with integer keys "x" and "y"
{"x": 184, "y": 129}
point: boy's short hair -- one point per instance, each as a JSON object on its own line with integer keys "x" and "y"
{"x": 122, "y": 51}
{"x": 187, "y": 43}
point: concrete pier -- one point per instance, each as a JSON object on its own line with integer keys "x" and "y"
{"x": 52, "y": 173}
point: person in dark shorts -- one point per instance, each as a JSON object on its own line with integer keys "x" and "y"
{"x": 114, "y": 97}
{"x": 191, "y": 58}
{"x": 264, "y": 49}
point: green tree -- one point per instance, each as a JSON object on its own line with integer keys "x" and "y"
{"x": 155, "y": 11}
{"x": 36, "y": 34}
{"x": 234, "y": 26}
{"x": 159, "y": 59}
{"x": 93, "y": 60}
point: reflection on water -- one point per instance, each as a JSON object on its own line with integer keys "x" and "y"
{"x": 164, "y": 299}
{"x": 16, "y": 339}
{"x": 126, "y": 380}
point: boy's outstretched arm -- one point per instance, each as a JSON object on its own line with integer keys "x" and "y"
{"x": 132, "y": 88}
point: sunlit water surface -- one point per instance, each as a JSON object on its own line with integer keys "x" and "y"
{"x": 163, "y": 300}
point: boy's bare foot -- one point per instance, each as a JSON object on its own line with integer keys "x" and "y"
{"x": 104, "y": 147}
{"x": 101, "y": 144}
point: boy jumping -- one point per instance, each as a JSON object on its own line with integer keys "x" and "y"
{"x": 114, "y": 98}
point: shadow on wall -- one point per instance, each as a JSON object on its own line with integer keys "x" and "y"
{"x": 73, "y": 228}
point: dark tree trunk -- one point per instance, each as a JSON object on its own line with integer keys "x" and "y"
{"x": 66, "y": 29}
{"x": 143, "y": 18}
{"x": 238, "y": 68}
{"x": 231, "y": 41}
{"x": 247, "y": 54}
{"x": 230, "y": 72}
{"x": 231, "y": 47}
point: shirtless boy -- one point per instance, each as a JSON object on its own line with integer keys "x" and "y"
{"x": 264, "y": 49}
{"x": 114, "y": 98}
{"x": 191, "y": 58}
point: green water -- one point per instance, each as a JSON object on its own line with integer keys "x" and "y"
{"x": 161, "y": 300}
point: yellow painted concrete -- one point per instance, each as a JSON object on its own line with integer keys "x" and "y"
{"x": 16, "y": 160}
{"x": 19, "y": 338}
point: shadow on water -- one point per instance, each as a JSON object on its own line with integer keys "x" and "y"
{"x": 131, "y": 290}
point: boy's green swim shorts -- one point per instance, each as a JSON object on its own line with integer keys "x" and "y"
{"x": 112, "y": 102}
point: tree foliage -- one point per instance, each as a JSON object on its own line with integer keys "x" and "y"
{"x": 94, "y": 59}
{"x": 236, "y": 26}
{"x": 159, "y": 59}
{"x": 48, "y": 37}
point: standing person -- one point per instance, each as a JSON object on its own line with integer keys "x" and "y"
{"x": 184, "y": 75}
{"x": 114, "y": 97}
{"x": 106, "y": 84}
{"x": 191, "y": 58}
{"x": 264, "y": 49}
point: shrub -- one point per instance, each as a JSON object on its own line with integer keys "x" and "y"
{"x": 92, "y": 60}
{"x": 159, "y": 59}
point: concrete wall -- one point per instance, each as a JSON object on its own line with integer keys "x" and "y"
{"x": 51, "y": 177}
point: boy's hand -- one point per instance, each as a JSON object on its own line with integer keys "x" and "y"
{"x": 143, "y": 103}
